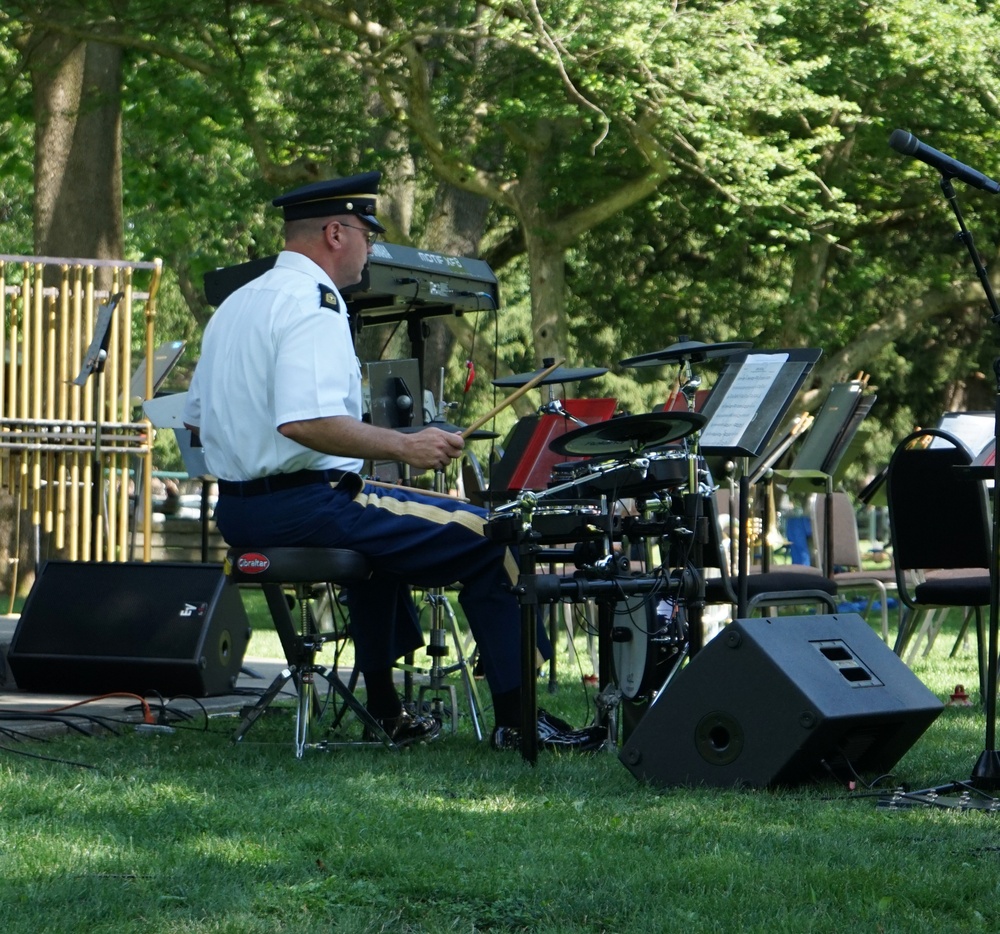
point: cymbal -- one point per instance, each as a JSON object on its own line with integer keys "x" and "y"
{"x": 628, "y": 434}
{"x": 558, "y": 375}
{"x": 480, "y": 434}
{"x": 695, "y": 351}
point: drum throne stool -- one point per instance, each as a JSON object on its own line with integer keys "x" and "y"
{"x": 276, "y": 571}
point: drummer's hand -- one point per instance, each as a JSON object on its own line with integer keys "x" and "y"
{"x": 433, "y": 448}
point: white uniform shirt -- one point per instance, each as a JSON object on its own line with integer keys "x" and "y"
{"x": 273, "y": 353}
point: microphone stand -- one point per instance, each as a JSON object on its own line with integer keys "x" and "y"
{"x": 986, "y": 772}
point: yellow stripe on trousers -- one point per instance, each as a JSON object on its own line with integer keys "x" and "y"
{"x": 470, "y": 520}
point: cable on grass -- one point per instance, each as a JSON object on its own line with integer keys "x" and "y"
{"x": 34, "y": 755}
{"x": 183, "y": 715}
{"x": 67, "y": 714}
{"x": 143, "y": 704}
{"x": 68, "y": 720}
{"x": 15, "y": 734}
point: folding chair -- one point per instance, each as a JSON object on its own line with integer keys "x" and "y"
{"x": 844, "y": 564}
{"x": 939, "y": 522}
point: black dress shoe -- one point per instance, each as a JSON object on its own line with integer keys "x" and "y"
{"x": 553, "y": 733}
{"x": 406, "y": 729}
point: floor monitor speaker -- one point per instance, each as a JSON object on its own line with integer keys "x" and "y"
{"x": 779, "y": 701}
{"x": 102, "y": 627}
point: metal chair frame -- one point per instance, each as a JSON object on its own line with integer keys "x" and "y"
{"x": 800, "y": 587}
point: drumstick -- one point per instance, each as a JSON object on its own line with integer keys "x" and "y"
{"x": 531, "y": 384}
{"x": 382, "y": 485}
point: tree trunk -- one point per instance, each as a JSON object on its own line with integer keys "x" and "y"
{"x": 806, "y": 290}
{"x": 456, "y": 228}
{"x": 78, "y": 158}
{"x": 78, "y": 199}
{"x": 548, "y": 298}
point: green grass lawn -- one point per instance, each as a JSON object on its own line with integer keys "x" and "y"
{"x": 186, "y": 832}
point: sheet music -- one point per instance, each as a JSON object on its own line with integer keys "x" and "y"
{"x": 973, "y": 429}
{"x": 743, "y": 400}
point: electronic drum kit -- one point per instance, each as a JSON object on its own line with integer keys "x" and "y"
{"x": 651, "y": 463}
{"x": 648, "y": 468}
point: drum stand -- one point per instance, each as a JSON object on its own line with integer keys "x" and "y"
{"x": 533, "y": 589}
{"x": 437, "y": 650}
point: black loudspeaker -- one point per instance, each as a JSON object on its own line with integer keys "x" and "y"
{"x": 97, "y": 628}
{"x": 782, "y": 700}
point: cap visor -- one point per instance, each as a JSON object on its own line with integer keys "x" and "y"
{"x": 370, "y": 220}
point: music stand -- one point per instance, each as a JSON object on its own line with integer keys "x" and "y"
{"x": 93, "y": 363}
{"x": 165, "y": 358}
{"x": 751, "y": 398}
{"x": 974, "y": 429}
{"x": 836, "y": 425}
{"x": 817, "y": 463}
{"x": 167, "y": 411}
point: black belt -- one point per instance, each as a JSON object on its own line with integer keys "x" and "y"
{"x": 279, "y": 481}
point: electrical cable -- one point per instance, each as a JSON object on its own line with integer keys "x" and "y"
{"x": 68, "y": 720}
{"x": 147, "y": 713}
{"x": 58, "y": 761}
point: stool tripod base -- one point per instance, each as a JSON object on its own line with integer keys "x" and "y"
{"x": 303, "y": 677}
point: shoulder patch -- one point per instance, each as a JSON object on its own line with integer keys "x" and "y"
{"x": 328, "y": 298}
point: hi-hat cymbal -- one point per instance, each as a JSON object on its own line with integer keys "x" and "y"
{"x": 480, "y": 434}
{"x": 628, "y": 434}
{"x": 695, "y": 351}
{"x": 560, "y": 374}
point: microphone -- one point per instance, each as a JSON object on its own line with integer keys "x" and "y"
{"x": 909, "y": 145}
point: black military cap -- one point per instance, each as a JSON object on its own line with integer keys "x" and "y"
{"x": 355, "y": 194}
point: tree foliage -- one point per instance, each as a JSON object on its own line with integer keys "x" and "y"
{"x": 634, "y": 171}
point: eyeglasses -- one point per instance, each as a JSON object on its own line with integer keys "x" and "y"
{"x": 371, "y": 236}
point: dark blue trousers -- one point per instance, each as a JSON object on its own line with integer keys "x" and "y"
{"x": 409, "y": 539}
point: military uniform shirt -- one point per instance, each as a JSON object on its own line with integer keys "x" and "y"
{"x": 277, "y": 350}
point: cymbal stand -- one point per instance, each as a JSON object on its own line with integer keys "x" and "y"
{"x": 555, "y": 407}
{"x": 696, "y": 606}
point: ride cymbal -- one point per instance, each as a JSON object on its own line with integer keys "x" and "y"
{"x": 628, "y": 434}
{"x": 694, "y": 351}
